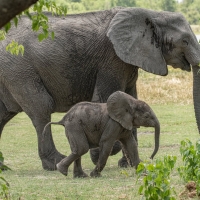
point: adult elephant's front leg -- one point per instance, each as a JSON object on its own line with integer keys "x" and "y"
{"x": 123, "y": 162}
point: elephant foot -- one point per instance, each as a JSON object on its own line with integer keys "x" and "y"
{"x": 49, "y": 163}
{"x": 94, "y": 155}
{"x": 95, "y": 174}
{"x": 80, "y": 175}
{"x": 123, "y": 162}
{"x": 62, "y": 169}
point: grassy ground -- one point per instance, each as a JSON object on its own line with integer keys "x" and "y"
{"x": 170, "y": 98}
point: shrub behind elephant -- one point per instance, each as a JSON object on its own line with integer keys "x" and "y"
{"x": 89, "y": 125}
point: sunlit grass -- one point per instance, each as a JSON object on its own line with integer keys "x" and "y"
{"x": 176, "y": 87}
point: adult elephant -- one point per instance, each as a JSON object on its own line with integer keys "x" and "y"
{"x": 92, "y": 55}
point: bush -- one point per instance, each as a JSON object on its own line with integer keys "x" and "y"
{"x": 190, "y": 171}
{"x": 4, "y": 185}
{"x": 156, "y": 182}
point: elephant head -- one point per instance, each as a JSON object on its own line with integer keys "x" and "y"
{"x": 152, "y": 40}
{"x": 130, "y": 113}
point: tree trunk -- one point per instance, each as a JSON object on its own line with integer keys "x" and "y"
{"x": 10, "y": 8}
{"x": 196, "y": 94}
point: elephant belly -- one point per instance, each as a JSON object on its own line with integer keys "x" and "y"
{"x": 70, "y": 93}
{"x": 69, "y": 83}
{"x": 93, "y": 139}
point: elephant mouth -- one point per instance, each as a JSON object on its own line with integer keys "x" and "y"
{"x": 187, "y": 65}
{"x": 181, "y": 63}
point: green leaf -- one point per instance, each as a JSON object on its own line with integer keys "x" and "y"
{"x": 14, "y": 48}
{"x": 52, "y": 35}
{"x": 35, "y": 25}
{"x": 7, "y": 26}
{"x": 140, "y": 189}
{"x": 41, "y": 37}
{"x": 15, "y": 21}
{"x": 2, "y": 35}
{"x": 27, "y": 13}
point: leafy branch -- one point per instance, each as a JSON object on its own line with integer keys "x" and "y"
{"x": 156, "y": 182}
{"x": 39, "y": 22}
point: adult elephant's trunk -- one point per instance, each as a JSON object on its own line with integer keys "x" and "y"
{"x": 157, "y": 139}
{"x": 196, "y": 94}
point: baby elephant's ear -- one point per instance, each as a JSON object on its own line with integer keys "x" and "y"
{"x": 119, "y": 109}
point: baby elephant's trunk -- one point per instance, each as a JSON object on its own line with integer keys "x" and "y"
{"x": 157, "y": 138}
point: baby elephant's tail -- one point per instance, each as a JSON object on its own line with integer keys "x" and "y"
{"x": 44, "y": 131}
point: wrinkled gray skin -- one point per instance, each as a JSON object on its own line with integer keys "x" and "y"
{"x": 92, "y": 56}
{"x": 89, "y": 125}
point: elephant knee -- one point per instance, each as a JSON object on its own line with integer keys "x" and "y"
{"x": 81, "y": 150}
{"x": 94, "y": 154}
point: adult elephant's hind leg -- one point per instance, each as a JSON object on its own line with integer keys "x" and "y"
{"x": 39, "y": 105}
{"x": 46, "y": 147}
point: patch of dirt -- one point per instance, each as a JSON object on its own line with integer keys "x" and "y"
{"x": 189, "y": 192}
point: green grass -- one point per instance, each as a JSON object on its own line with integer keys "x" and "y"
{"x": 171, "y": 99}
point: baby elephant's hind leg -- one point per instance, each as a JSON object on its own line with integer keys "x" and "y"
{"x": 63, "y": 165}
{"x": 79, "y": 146}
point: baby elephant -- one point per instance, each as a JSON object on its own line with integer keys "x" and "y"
{"x": 90, "y": 125}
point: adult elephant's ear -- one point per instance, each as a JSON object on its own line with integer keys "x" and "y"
{"x": 137, "y": 39}
{"x": 119, "y": 109}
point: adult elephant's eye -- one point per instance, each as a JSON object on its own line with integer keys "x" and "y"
{"x": 185, "y": 42}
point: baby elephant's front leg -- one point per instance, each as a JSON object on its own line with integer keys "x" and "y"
{"x": 104, "y": 151}
{"x": 131, "y": 149}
